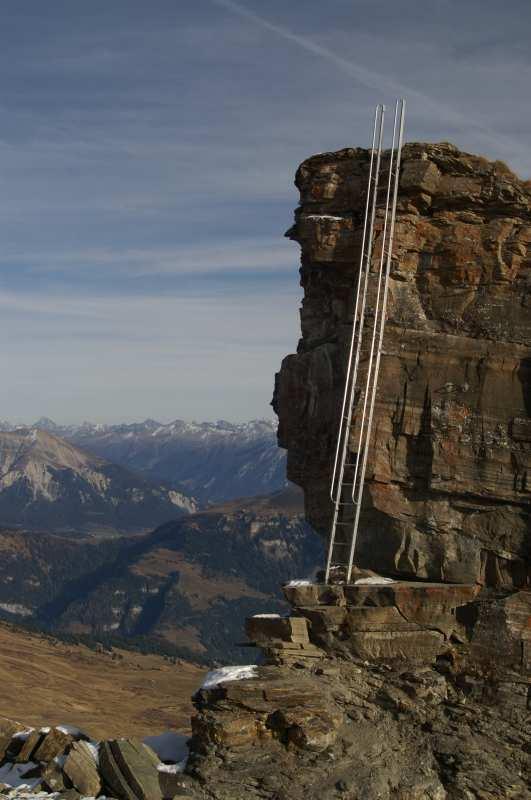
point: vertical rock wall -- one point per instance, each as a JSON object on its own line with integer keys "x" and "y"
{"x": 448, "y": 495}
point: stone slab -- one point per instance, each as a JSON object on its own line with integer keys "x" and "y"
{"x": 414, "y": 598}
{"x": 129, "y": 770}
{"x": 53, "y": 744}
{"x": 27, "y": 751}
{"x": 264, "y": 629}
{"x": 81, "y": 769}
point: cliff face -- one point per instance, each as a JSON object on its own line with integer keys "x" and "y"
{"x": 448, "y": 491}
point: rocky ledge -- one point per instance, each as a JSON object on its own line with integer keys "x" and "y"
{"x": 372, "y": 691}
{"x": 363, "y": 731}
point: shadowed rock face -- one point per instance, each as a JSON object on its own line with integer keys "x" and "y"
{"x": 448, "y": 495}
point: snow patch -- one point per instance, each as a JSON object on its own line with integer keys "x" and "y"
{"x": 71, "y": 730}
{"x": 324, "y": 216}
{"x": 266, "y": 616}
{"x": 299, "y": 583}
{"x": 373, "y": 580}
{"x": 16, "y": 608}
{"x": 13, "y": 775}
{"x": 173, "y": 769}
{"x": 94, "y": 749}
{"x": 23, "y": 735}
{"x": 224, "y": 674}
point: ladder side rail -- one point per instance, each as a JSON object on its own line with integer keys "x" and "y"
{"x": 350, "y": 385}
{"x": 361, "y": 326}
{"x": 371, "y": 359}
{"x": 347, "y": 419}
{"x": 388, "y": 258}
{"x": 378, "y": 116}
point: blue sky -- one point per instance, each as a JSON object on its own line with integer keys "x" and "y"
{"x": 147, "y": 155}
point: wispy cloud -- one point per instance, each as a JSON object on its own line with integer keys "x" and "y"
{"x": 245, "y": 255}
{"x": 372, "y": 79}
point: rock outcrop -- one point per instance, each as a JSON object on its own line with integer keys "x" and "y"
{"x": 448, "y": 495}
{"x": 344, "y": 729}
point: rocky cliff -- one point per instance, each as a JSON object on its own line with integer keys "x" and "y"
{"x": 448, "y": 491}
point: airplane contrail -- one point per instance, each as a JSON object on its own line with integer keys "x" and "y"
{"x": 374, "y": 80}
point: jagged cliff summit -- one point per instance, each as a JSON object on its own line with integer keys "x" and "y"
{"x": 448, "y": 492}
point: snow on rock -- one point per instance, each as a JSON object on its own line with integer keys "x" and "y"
{"x": 224, "y": 674}
{"x": 173, "y": 769}
{"x": 71, "y": 730}
{"x": 23, "y": 735}
{"x": 169, "y": 746}
{"x": 324, "y": 216}
{"x": 300, "y": 583}
{"x": 94, "y": 748}
{"x": 373, "y": 579}
{"x": 266, "y": 616}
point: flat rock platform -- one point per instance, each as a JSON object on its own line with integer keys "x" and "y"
{"x": 409, "y": 620}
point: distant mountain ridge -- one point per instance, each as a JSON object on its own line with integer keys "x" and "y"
{"x": 49, "y": 483}
{"x": 185, "y": 586}
{"x": 212, "y": 461}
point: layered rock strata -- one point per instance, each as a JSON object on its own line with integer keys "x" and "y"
{"x": 448, "y": 490}
{"x": 377, "y": 728}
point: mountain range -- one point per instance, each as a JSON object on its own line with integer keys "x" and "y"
{"x": 182, "y": 589}
{"x": 49, "y": 483}
{"x": 210, "y": 461}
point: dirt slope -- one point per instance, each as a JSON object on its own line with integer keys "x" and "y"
{"x": 46, "y": 682}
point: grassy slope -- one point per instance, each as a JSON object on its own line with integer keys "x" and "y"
{"x": 47, "y": 682}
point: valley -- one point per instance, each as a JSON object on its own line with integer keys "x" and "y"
{"x": 181, "y": 590}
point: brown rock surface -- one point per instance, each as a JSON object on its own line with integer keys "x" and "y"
{"x": 448, "y": 491}
{"x": 348, "y": 729}
{"x": 129, "y": 769}
{"x": 81, "y": 769}
{"x": 53, "y": 744}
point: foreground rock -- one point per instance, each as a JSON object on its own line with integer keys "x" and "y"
{"x": 340, "y": 729}
{"x": 63, "y": 763}
{"x": 448, "y": 491}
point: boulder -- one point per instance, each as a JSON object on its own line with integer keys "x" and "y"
{"x": 8, "y": 730}
{"x": 129, "y": 770}
{"x": 81, "y": 769}
{"x": 30, "y": 745}
{"x": 53, "y": 744}
{"x": 265, "y": 628}
{"x": 53, "y": 777}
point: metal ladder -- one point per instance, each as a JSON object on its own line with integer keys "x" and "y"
{"x": 348, "y": 476}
